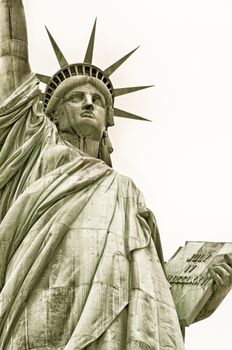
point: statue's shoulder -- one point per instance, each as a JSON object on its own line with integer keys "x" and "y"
{"x": 127, "y": 186}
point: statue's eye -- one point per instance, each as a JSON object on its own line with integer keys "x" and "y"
{"x": 98, "y": 100}
{"x": 75, "y": 98}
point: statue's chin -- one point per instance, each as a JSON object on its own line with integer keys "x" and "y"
{"x": 88, "y": 127}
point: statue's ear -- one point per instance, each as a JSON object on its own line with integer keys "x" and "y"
{"x": 109, "y": 116}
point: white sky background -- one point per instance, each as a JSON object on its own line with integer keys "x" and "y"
{"x": 181, "y": 161}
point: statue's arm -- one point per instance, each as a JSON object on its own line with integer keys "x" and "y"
{"x": 14, "y": 65}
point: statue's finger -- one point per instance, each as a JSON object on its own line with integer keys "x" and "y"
{"x": 227, "y": 267}
{"x": 223, "y": 267}
{"x": 221, "y": 271}
{"x": 217, "y": 279}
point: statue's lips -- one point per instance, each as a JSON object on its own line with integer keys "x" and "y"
{"x": 87, "y": 115}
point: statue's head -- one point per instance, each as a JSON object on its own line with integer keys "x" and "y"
{"x": 80, "y": 98}
{"x": 71, "y": 78}
{"x": 81, "y": 103}
{"x": 83, "y": 110}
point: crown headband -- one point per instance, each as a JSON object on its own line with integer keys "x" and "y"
{"x": 87, "y": 69}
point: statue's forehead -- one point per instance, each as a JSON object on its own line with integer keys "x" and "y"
{"x": 86, "y": 88}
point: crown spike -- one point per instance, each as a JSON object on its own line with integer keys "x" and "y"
{"x": 44, "y": 78}
{"x": 128, "y": 90}
{"x": 124, "y": 114}
{"x": 117, "y": 64}
{"x": 89, "y": 52}
{"x": 60, "y": 57}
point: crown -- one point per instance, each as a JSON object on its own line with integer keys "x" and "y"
{"x": 87, "y": 69}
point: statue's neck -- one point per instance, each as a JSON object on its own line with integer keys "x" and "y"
{"x": 83, "y": 143}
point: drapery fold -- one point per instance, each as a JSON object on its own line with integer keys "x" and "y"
{"x": 81, "y": 263}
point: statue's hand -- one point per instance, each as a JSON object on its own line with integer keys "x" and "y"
{"x": 222, "y": 277}
{"x": 222, "y": 273}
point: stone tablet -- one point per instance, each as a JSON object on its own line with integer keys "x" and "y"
{"x": 188, "y": 275}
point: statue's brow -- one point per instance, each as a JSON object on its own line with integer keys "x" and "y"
{"x": 97, "y": 95}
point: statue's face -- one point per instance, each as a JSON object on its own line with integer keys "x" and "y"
{"x": 83, "y": 112}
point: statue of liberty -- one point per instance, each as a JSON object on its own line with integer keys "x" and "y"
{"x": 81, "y": 259}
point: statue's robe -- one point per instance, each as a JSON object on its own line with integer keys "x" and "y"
{"x": 81, "y": 265}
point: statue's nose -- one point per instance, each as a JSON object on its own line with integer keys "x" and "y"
{"x": 88, "y": 102}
